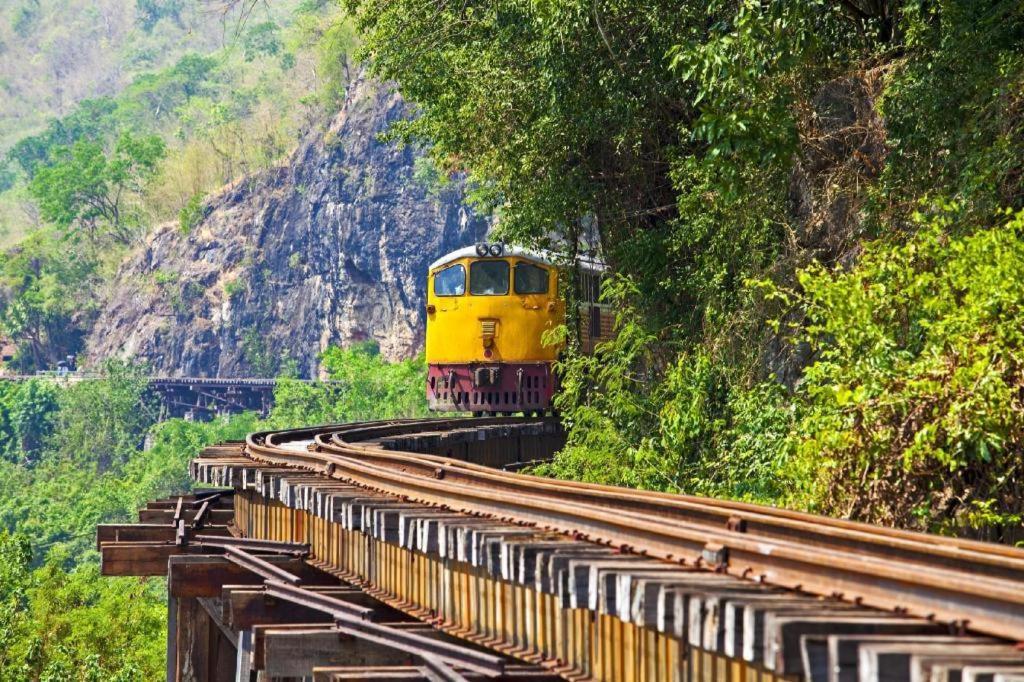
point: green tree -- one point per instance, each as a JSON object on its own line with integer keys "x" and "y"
{"x": 25, "y": 16}
{"x": 106, "y": 419}
{"x": 362, "y": 386}
{"x": 46, "y": 304}
{"x": 60, "y": 624}
{"x": 87, "y": 188}
{"x": 15, "y": 558}
{"x": 32, "y": 415}
{"x": 262, "y": 39}
{"x": 913, "y": 405}
{"x": 91, "y": 120}
{"x": 150, "y": 12}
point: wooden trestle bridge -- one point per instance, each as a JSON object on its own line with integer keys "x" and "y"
{"x": 411, "y": 550}
{"x": 198, "y": 398}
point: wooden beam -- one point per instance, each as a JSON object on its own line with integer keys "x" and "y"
{"x": 137, "y": 558}
{"x": 221, "y": 502}
{"x": 213, "y": 517}
{"x": 405, "y": 673}
{"x": 388, "y": 673}
{"x": 243, "y": 662}
{"x": 214, "y": 608}
{"x": 245, "y": 607}
{"x": 146, "y": 532}
{"x": 293, "y": 651}
{"x": 199, "y": 575}
{"x": 191, "y": 642}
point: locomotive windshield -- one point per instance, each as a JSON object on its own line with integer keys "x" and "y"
{"x": 450, "y": 282}
{"x": 531, "y": 279}
{"x": 488, "y": 278}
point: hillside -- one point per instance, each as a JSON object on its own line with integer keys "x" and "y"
{"x": 330, "y": 249}
{"x": 149, "y": 143}
{"x": 190, "y": 72}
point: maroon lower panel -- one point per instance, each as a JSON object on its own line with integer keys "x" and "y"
{"x": 490, "y": 387}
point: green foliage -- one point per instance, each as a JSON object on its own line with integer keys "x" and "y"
{"x": 262, "y": 361}
{"x": 362, "y": 386}
{"x": 90, "y": 189}
{"x": 25, "y": 17}
{"x": 537, "y": 84}
{"x": 710, "y": 145}
{"x": 61, "y": 625}
{"x": 150, "y": 12}
{"x": 47, "y": 289}
{"x": 689, "y": 427}
{"x": 428, "y": 176}
{"x": 155, "y": 96}
{"x": 234, "y": 288}
{"x": 91, "y": 120}
{"x": 107, "y": 419}
{"x": 262, "y": 39}
{"x": 222, "y": 109}
{"x": 192, "y": 213}
{"x": 951, "y": 109}
{"x": 914, "y": 410}
{"x": 63, "y": 620}
{"x": 29, "y": 412}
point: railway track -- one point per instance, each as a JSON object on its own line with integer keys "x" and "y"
{"x": 779, "y": 593}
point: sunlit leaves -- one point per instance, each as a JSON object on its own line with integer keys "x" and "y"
{"x": 915, "y": 391}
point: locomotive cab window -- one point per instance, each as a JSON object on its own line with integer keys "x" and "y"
{"x": 488, "y": 278}
{"x": 451, "y": 281}
{"x": 530, "y": 279}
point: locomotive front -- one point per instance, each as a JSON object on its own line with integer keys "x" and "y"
{"x": 487, "y": 308}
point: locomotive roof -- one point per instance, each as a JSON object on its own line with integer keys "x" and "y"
{"x": 543, "y": 257}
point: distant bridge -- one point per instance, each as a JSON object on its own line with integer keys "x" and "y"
{"x": 199, "y": 398}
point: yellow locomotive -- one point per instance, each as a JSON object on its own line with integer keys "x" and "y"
{"x": 487, "y": 308}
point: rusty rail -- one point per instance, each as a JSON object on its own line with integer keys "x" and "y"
{"x": 581, "y": 581}
{"x": 972, "y": 585}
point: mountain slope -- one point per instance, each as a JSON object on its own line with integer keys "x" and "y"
{"x": 333, "y": 248}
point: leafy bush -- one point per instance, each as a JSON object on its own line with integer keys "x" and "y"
{"x": 150, "y": 12}
{"x": 688, "y": 428}
{"x": 192, "y": 213}
{"x": 47, "y": 303}
{"x": 262, "y": 39}
{"x": 362, "y": 386}
{"x": 104, "y": 628}
{"x": 105, "y": 421}
{"x": 913, "y": 404}
{"x": 30, "y": 410}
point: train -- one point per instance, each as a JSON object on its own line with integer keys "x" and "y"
{"x": 488, "y": 306}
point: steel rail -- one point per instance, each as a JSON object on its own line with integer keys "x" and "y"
{"x": 259, "y": 566}
{"x": 652, "y": 501}
{"x": 772, "y": 522}
{"x": 982, "y": 558}
{"x": 355, "y": 624}
{"x": 985, "y": 603}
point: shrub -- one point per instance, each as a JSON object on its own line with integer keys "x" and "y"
{"x": 192, "y": 213}
{"x": 913, "y": 412}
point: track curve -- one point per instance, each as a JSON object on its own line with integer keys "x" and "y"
{"x": 972, "y": 585}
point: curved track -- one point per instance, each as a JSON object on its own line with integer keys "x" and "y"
{"x": 972, "y": 585}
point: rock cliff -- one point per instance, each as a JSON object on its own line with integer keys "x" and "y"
{"x": 332, "y": 248}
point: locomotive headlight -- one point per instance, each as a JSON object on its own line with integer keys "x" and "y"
{"x": 495, "y": 249}
{"x": 481, "y": 250}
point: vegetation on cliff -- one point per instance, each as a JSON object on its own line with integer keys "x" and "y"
{"x": 791, "y": 195}
{"x": 195, "y": 98}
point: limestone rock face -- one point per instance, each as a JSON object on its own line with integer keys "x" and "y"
{"x": 332, "y": 248}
